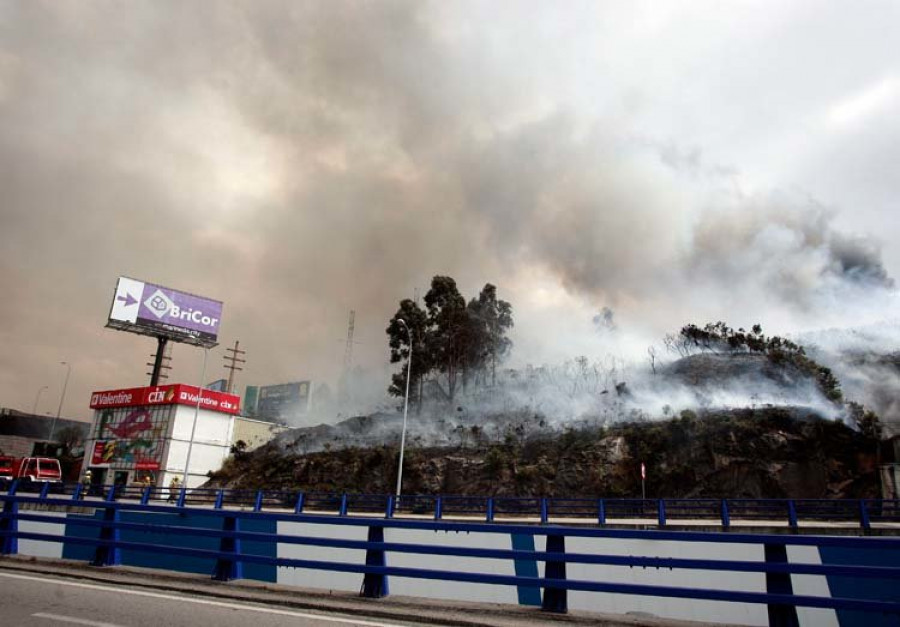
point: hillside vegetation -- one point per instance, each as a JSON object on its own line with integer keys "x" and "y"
{"x": 767, "y": 452}
{"x": 763, "y": 420}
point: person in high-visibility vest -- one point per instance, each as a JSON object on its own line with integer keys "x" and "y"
{"x": 174, "y": 487}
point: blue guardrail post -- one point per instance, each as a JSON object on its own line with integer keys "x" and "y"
{"x": 779, "y": 583}
{"x": 375, "y": 585}
{"x": 229, "y": 566}
{"x": 9, "y": 527}
{"x": 792, "y": 514}
{"x": 555, "y": 599}
{"x": 109, "y": 554}
{"x": 864, "y": 522}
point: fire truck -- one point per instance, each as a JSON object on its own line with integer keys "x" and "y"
{"x": 30, "y": 469}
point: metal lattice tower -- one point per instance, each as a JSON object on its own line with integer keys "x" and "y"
{"x": 348, "y": 351}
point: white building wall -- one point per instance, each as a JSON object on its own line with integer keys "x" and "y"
{"x": 211, "y": 445}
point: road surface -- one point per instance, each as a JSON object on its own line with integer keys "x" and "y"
{"x": 61, "y": 593}
{"x": 42, "y": 601}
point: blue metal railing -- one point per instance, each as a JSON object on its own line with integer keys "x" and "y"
{"x": 793, "y": 513}
{"x": 105, "y": 538}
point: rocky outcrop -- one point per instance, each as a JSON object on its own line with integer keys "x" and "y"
{"x": 752, "y": 453}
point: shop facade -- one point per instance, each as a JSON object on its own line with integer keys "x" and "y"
{"x": 147, "y": 436}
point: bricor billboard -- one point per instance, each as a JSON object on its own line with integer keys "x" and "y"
{"x": 150, "y": 309}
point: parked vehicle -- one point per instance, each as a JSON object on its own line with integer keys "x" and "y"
{"x": 44, "y": 469}
{"x": 7, "y": 468}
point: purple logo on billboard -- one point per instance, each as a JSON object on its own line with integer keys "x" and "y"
{"x": 159, "y": 304}
{"x": 155, "y": 310}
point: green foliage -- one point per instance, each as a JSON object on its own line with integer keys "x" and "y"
{"x": 449, "y": 337}
{"x": 416, "y": 321}
{"x": 719, "y": 337}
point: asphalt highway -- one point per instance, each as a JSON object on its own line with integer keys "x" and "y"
{"x": 59, "y": 593}
{"x": 44, "y": 601}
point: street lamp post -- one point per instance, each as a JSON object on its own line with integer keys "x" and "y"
{"x": 37, "y": 398}
{"x": 405, "y": 406}
{"x": 62, "y": 397}
{"x": 187, "y": 461}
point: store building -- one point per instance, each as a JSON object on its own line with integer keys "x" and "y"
{"x": 254, "y": 433}
{"x": 161, "y": 432}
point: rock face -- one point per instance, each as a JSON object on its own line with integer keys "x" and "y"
{"x": 754, "y": 453}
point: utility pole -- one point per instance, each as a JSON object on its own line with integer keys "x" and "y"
{"x": 234, "y": 358}
{"x": 164, "y": 362}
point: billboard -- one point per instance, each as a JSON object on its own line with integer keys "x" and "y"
{"x": 149, "y": 309}
{"x": 250, "y": 397}
{"x": 218, "y": 386}
{"x": 284, "y": 401}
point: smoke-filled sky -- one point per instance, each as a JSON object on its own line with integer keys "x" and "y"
{"x": 675, "y": 162}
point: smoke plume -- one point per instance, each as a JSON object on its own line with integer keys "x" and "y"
{"x": 301, "y": 160}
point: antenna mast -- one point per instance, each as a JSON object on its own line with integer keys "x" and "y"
{"x": 344, "y": 391}
{"x": 348, "y": 351}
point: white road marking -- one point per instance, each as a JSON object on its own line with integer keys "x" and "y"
{"x": 72, "y": 619}
{"x": 231, "y": 606}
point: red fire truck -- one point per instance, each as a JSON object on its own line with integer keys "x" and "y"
{"x": 30, "y": 469}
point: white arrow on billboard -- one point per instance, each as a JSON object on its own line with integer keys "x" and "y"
{"x": 127, "y": 301}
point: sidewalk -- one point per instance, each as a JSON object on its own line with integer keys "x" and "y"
{"x": 417, "y": 610}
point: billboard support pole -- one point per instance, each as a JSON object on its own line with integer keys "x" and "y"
{"x": 161, "y": 342}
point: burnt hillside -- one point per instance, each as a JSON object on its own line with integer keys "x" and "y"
{"x": 768, "y": 452}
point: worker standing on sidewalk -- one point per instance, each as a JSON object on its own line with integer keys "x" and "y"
{"x": 174, "y": 486}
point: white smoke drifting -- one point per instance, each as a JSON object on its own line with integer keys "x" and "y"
{"x": 299, "y": 160}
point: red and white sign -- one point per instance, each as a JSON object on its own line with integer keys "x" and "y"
{"x": 177, "y": 393}
{"x": 103, "y": 453}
